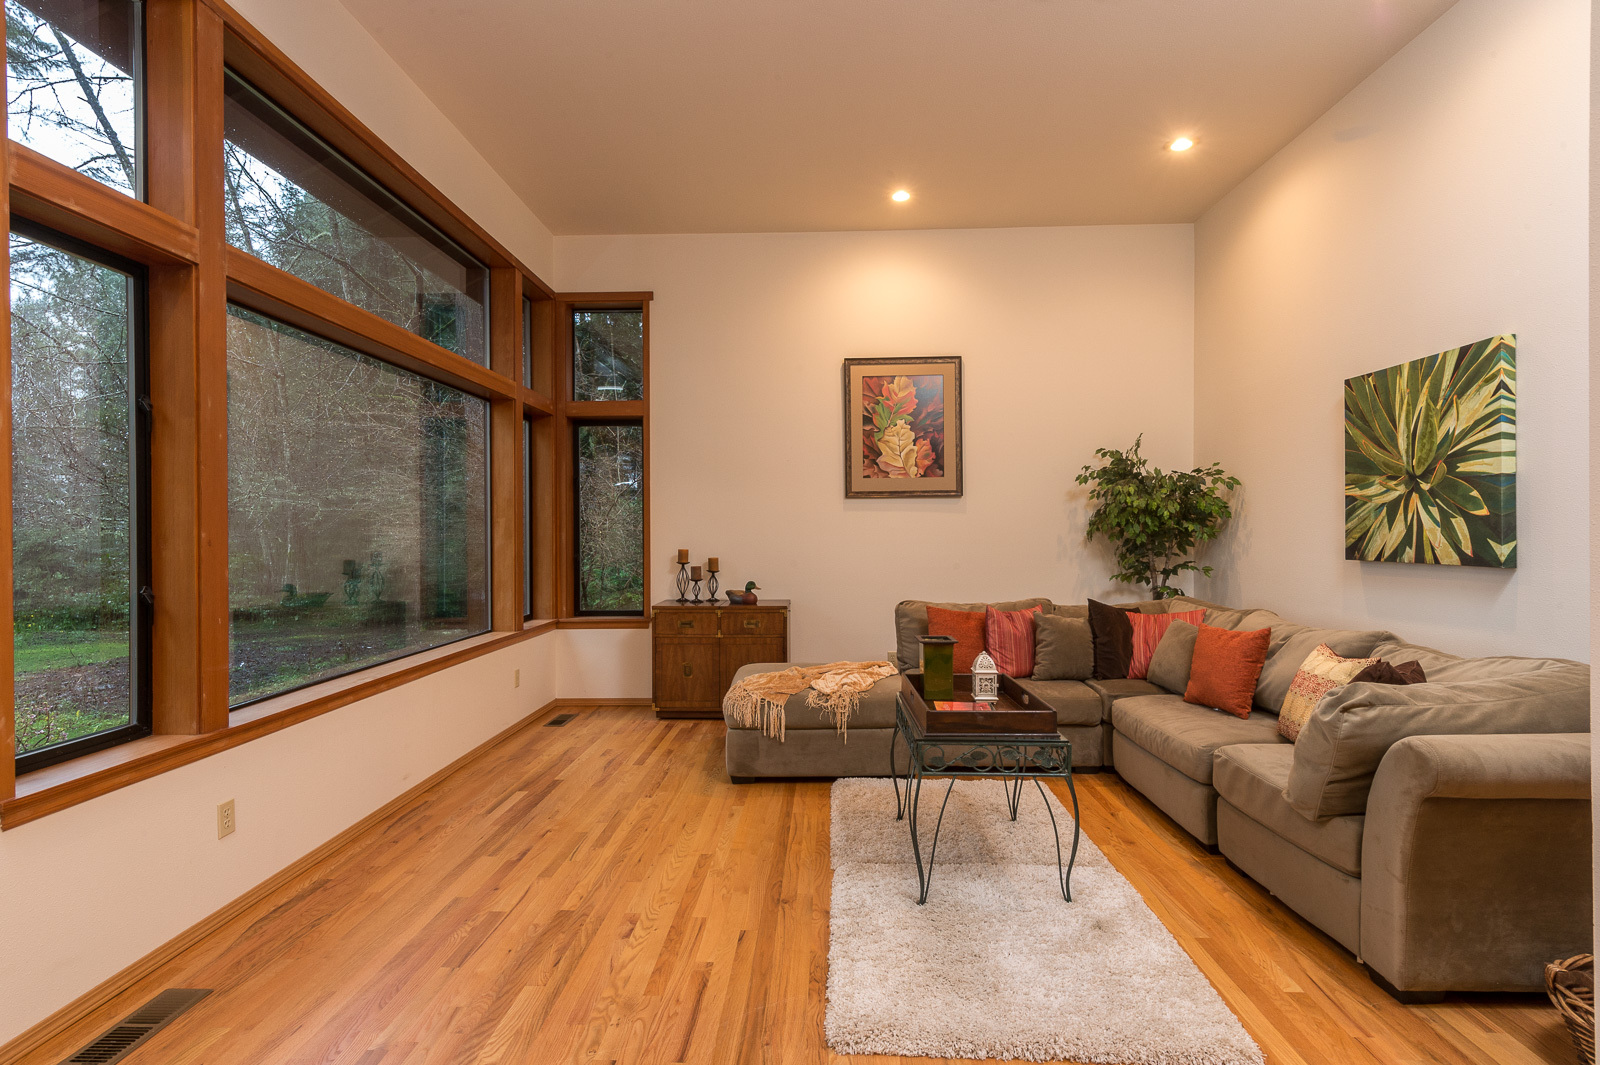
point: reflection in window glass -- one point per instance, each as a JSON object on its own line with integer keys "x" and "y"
{"x": 357, "y": 509}
{"x": 527, "y": 342}
{"x": 610, "y": 473}
{"x": 72, "y": 84}
{"x": 71, "y": 495}
{"x": 301, "y": 206}
{"x": 608, "y": 354}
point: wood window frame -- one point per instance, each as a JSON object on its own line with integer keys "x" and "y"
{"x": 178, "y": 235}
{"x": 570, "y": 413}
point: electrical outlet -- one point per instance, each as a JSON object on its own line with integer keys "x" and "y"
{"x": 516, "y": 678}
{"x": 225, "y": 823}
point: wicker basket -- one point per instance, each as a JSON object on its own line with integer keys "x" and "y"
{"x": 1570, "y": 983}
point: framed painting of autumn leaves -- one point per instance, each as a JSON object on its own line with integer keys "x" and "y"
{"x": 902, "y": 427}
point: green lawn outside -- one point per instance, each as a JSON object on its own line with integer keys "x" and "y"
{"x": 58, "y": 650}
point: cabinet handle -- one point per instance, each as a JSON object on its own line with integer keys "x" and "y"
{"x": 749, "y": 623}
{"x": 686, "y": 623}
{"x": 688, "y": 670}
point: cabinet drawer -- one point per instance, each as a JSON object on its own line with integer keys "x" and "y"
{"x": 686, "y": 623}
{"x": 736, "y": 622}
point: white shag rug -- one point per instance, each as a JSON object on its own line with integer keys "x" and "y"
{"x": 996, "y": 964}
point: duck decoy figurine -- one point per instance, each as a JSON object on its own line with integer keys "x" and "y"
{"x": 746, "y": 597}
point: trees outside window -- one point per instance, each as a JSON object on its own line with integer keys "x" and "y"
{"x": 72, "y": 84}
{"x": 75, "y": 362}
{"x": 357, "y": 509}
{"x": 299, "y": 205}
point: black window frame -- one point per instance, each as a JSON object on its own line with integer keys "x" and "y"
{"x": 577, "y": 427}
{"x": 528, "y": 554}
{"x": 141, "y": 596}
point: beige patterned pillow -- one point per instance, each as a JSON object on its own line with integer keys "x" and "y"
{"x": 1320, "y": 673}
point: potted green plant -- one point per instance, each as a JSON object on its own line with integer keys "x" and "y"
{"x": 1155, "y": 518}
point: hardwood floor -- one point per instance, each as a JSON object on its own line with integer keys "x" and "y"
{"x": 600, "y": 892}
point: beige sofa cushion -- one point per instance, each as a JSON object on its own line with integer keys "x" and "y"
{"x": 1290, "y": 646}
{"x": 876, "y": 709}
{"x": 1217, "y": 615}
{"x": 1396, "y": 651}
{"x": 1353, "y": 727}
{"x": 911, "y": 621}
{"x": 1112, "y": 690}
{"x": 1185, "y": 736}
{"x": 1253, "y": 777}
{"x": 1074, "y": 702}
{"x": 1063, "y": 648}
{"x": 1170, "y": 665}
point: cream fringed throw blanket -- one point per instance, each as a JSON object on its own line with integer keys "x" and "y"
{"x": 836, "y": 690}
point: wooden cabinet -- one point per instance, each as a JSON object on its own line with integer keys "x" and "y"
{"x": 697, "y": 648}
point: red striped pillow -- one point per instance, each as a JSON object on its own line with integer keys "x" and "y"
{"x": 1147, "y": 632}
{"x": 1009, "y": 636}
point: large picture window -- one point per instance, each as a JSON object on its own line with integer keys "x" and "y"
{"x": 609, "y": 493}
{"x": 73, "y": 84}
{"x": 358, "y": 509}
{"x": 78, "y": 498}
{"x": 295, "y": 202}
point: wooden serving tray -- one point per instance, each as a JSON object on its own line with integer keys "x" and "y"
{"x": 1011, "y": 713}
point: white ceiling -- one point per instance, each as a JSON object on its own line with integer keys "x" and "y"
{"x": 684, "y": 116}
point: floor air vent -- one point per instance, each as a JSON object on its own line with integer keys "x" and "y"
{"x": 559, "y": 720}
{"x": 138, "y": 1026}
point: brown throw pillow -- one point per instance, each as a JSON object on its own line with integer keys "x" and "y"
{"x": 1112, "y": 634}
{"x": 1063, "y": 648}
{"x": 1381, "y": 672}
{"x": 1225, "y": 669}
{"x": 1169, "y": 666}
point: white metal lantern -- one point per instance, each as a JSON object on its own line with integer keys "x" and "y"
{"x": 985, "y": 679}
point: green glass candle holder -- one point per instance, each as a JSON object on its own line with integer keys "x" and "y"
{"x": 938, "y": 667}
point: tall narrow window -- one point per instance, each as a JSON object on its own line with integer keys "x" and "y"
{"x": 607, "y": 354}
{"x": 357, "y": 509}
{"x": 527, "y": 342}
{"x": 609, "y": 469}
{"x": 73, "y": 84}
{"x": 294, "y": 201}
{"x": 78, "y": 498}
{"x": 527, "y": 518}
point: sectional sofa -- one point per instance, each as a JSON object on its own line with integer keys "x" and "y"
{"x": 1439, "y": 831}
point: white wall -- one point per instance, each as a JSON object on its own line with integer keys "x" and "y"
{"x": 338, "y": 52}
{"x": 1071, "y": 339}
{"x": 1441, "y": 202}
{"x": 1594, "y": 438}
{"x": 89, "y": 890}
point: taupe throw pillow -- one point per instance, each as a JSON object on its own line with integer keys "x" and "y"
{"x": 1063, "y": 648}
{"x": 1174, "y": 656}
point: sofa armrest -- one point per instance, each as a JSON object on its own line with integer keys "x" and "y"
{"x": 1476, "y": 861}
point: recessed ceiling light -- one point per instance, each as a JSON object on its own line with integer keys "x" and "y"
{"x": 900, "y": 196}
{"x": 1182, "y": 144}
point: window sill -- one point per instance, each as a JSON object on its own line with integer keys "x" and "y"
{"x": 57, "y": 787}
{"x": 603, "y": 623}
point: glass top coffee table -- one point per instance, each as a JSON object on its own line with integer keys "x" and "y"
{"x": 1013, "y": 757}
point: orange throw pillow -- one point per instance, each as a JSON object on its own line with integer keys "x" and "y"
{"x": 1226, "y": 667}
{"x": 966, "y": 626}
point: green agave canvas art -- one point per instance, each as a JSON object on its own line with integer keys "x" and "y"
{"x": 1430, "y": 459}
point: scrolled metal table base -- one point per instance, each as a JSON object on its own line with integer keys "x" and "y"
{"x": 1014, "y": 763}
